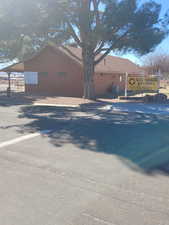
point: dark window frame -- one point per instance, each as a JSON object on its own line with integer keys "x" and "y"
{"x": 43, "y": 73}
{"x": 62, "y": 74}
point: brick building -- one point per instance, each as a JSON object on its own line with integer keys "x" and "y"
{"x": 59, "y": 71}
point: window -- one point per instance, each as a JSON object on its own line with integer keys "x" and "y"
{"x": 31, "y": 77}
{"x": 43, "y": 73}
{"x": 61, "y": 74}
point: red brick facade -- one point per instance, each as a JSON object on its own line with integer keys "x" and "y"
{"x": 54, "y": 83}
{"x": 61, "y": 75}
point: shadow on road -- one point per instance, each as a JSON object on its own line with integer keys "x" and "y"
{"x": 15, "y": 99}
{"x": 139, "y": 140}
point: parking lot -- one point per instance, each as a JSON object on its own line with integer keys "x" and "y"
{"x": 67, "y": 166}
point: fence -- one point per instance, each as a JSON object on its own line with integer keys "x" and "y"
{"x": 17, "y": 84}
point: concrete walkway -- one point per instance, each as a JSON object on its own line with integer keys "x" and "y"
{"x": 158, "y": 109}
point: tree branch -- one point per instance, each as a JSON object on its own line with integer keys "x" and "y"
{"x": 110, "y": 49}
{"x": 99, "y": 48}
{"x": 71, "y": 53}
{"x": 96, "y": 11}
{"x": 73, "y": 33}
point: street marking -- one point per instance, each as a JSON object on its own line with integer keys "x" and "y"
{"x": 23, "y": 138}
{"x": 97, "y": 219}
{"x": 56, "y": 105}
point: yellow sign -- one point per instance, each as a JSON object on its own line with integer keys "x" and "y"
{"x": 142, "y": 83}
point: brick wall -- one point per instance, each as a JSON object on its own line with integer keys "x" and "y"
{"x": 64, "y": 76}
{"x": 105, "y": 82}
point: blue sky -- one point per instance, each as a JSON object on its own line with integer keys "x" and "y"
{"x": 164, "y": 46}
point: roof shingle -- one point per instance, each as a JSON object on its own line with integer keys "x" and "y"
{"x": 112, "y": 64}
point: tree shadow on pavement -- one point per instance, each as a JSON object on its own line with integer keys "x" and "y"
{"x": 139, "y": 140}
{"x": 15, "y": 99}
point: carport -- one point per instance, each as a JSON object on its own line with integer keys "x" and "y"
{"x": 16, "y": 67}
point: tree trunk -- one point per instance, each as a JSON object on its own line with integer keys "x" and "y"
{"x": 88, "y": 70}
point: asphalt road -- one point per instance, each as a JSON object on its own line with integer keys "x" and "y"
{"x": 85, "y": 171}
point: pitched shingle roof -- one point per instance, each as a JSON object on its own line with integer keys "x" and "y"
{"x": 111, "y": 64}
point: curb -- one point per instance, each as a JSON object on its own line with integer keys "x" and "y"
{"x": 56, "y": 105}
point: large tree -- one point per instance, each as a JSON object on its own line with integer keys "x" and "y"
{"x": 97, "y": 26}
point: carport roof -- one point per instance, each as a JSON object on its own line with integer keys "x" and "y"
{"x": 16, "y": 67}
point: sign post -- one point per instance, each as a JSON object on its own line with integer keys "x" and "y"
{"x": 9, "y": 85}
{"x": 126, "y": 83}
{"x": 159, "y": 78}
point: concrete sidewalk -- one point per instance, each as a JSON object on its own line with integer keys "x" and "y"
{"x": 145, "y": 108}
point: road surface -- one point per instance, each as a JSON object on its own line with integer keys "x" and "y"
{"x": 64, "y": 167}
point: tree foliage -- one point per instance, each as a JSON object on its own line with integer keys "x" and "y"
{"x": 113, "y": 24}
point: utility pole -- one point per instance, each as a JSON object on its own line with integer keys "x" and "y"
{"x": 159, "y": 79}
{"x": 9, "y": 84}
